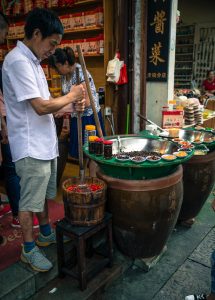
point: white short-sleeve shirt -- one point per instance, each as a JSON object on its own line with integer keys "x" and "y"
{"x": 30, "y": 135}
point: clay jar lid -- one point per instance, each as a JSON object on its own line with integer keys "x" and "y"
{"x": 99, "y": 140}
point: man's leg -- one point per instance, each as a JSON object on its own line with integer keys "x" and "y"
{"x": 34, "y": 177}
{"x": 47, "y": 235}
{"x": 26, "y": 222}
{"x": 43, "y": 216}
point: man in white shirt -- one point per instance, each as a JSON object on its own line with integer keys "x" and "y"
{"x": 3, "y": 34}
{"x": 31, "y": 127}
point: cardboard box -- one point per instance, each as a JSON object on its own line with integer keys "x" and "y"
{"x": 172, "y": 118}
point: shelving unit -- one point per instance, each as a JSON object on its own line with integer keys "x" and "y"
{"x": 96, "y": 62}
{"x": 184, "y": 56}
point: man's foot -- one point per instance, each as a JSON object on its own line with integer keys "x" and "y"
{"x": 196, "y": 297}
{"x": 46, "y": 240}
{"x": 4, "y": 210}
{"x": 15, "y": 222}
{"x": 36, "y": 260}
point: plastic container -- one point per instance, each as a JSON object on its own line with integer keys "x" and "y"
{"x": 99, "y": 147}
{"x": 92, "y": 143}
{"x": 90, "y": 130}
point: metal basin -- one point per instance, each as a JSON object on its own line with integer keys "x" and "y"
{"x": 129, "y": 144}
{"x": 190, "y": 135}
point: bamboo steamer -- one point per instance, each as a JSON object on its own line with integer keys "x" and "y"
{"x": 84, "y": 208}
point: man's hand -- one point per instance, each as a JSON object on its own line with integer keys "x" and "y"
{"x": 4, "y": 132}
{"x": 79, "y": 106}
{"x": 79, "y": 97}
{"x": 78, "y": 93}
{"x": 58, "y": 115}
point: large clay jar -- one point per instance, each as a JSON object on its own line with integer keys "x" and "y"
{"x": 198, "y": 178}
{"x": 144, "y": 212}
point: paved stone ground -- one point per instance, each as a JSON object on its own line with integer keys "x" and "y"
{"x": 183, "y": 269}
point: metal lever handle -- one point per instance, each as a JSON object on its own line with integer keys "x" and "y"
{"x": 149, "y": 121}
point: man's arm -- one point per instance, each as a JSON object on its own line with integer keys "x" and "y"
{"x": 4, "y": 133}
{"x": 76, "y": 96}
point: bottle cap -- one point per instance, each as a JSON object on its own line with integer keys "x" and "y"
{"x": 92, "y": 138}
{"x": 99, "y": 140}
{"x": 90, "y": 127}
{"x": 108, "y": 142}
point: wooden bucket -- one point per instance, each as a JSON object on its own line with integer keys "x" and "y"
{"x": 84, "y": 208}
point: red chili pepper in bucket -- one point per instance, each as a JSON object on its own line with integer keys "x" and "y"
{"x": 92, "y": 187}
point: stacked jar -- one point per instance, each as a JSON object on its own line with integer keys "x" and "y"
{"x": 108, "y": 149}
{"x": 99, "y": 147}
{"x": 92, "y": 144}
{"x": 90, "y": 130}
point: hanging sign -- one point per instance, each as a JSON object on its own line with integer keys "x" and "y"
{"x": 158, "y": 39}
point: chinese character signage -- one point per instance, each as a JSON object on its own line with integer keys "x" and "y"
{"x": 158, "y": 39}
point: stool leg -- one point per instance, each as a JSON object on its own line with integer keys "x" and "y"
{"x": 110, "y": 243}
{"x": 81, "y": 263}
{"x": 60, "y": 252}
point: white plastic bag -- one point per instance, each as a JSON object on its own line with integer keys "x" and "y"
{"x": 113, "y": 69}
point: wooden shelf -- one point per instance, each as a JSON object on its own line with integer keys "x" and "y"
{"x": 184, "y": 61}
{"x": 184, "y": 45}
{"x": 87, "y": 29}
{"x": 184, "y": 80}
{"x": 183, "y": 84}
{"x": 184, "y": 69}
{"x": 94, "y": 55}
{"x": 178, "y": 75}
{"x": 63, "y": 8}
{"x": 184, "y": 35}
{"x": 80, "y": 4}
{"x": 191, "y": 53}
{"x": 90, "y": 29}
{"x": 15, "y": 38}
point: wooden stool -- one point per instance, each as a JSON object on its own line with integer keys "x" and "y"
{"x": 79, "y": 235}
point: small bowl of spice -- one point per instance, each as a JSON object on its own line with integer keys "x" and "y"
{"x": 153, "y": 158}
{"x": 138, "y": 159}
{"x": 180, "y": 154}
{"x": 168, "y": 157}
{"x": 122, "y": 157}
{"x": 188, "y": 150}
{"x": 177, "y": 140}
{"x": 186, "y": 144}
{"x": 197, "y": 142}
{"x": 208, "y": 140}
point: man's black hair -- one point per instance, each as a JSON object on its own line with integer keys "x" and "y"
{"x": 3, "y": 21}
{"x": 61, "y": 56}
{"x": 45, "y": 20}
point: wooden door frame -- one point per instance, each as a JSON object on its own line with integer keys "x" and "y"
{"x": 125, "y": 41}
